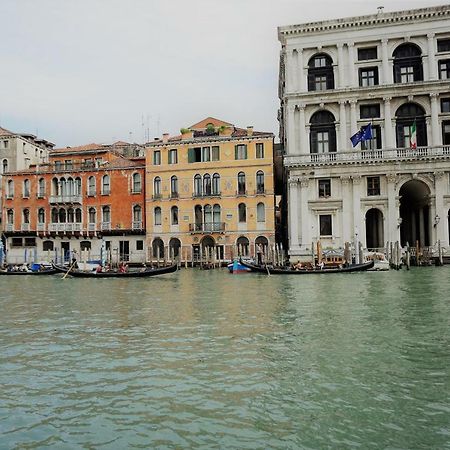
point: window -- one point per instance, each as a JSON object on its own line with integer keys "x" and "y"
{"x": 197, "y": 185}
{"x": 240, "y": 151}
{"x": 85, "y": 245}
{"x": 446, "y": 132}
{"x": 216, "y": 218}
{"x": 156, "y": 157}
{"x": 106, "y": 185}
{"x": 260, "y": 150}
{"x": 136, "y": 183}
{"x": 41, "y": 215}
{"x": 320, "y": 73}
{"x": 47, "y": 246}
{"x": 30, "y": 242}
{"x": 4, "y": 166}
{"x": 325, "y": 188}
{"x": 242, "y": 212}
{"x": 369, "y": 111}
{"x": 368, "y": 76}
{"x": 241, "y": 183}
{"x": 78, "y": 215}
{"x": 88, "y": 163}
{"x": 139, "y": 245}
{"x": 260, "y": 212}
{"x": 406, "y": 74}
{"x": 16, "y": 242}
{"x": 68, "y": 164}
{"x": 26, "y": 216}
{"x": 10, "y": 188}
{"x": 325, "y": 225}
{"x": 323, "y": 140}
{"x": 92, "y": 215}
{"x": 174, "y": 215}
{"x": 174, "y": 187}
{"x": 407, "y": 115}
{"x": 106, "y": 214}
{"x": 41, "y": 188}
{"x": 173, "y": 156}
{"x": 216, "y": 184}
{"x": 137, "y": 214}
{"x": 55, "y": 215}
{"x": 206, "y": 154}
{"x": 443, "y": 45}
{"x": 445, "y": 105}
{"x": 91, "y": 186}
{"x": 206, "y": 184}
{"x": 207, "y": 213}
{"x": 323, "y": 133}
{"x": 58, "y": 166}
{"x": 373, "y": 186}
{"x": 26, "y": 188}
{"x": 157, "y": 187}
{"x": 215, "y": 155}
{"x": 407, "y": 63}
{"x": 10, "y": 216}
{"x": 444, "y": 69}
{"x": 365, "y": 54}
{"x": 157, "y": 216}
{"x": 5, "y": 144}
{"x": 375, "y": 142}
{"x": 260, "y": 182}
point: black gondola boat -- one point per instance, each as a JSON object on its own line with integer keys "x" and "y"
{"x": 147, "y": 272}
{"x": 283, "y": 271}
{"x": 30, "y": 272}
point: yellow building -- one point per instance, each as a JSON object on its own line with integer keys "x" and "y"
{"x": 210, "y": 193}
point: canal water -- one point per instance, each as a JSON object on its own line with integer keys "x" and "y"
{"x": 204, "y": 359}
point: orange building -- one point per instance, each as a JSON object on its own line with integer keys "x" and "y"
{"x": 84, "y": 198}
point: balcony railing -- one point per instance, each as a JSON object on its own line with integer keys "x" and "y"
{"x": 156, "y": 196}
{"x": 41, "y": 227}
{"x": 207, "y": 227}
{"x": 174, "y": 195}
{"x": 66, "y": 199}
{"x": 25, "y": 227}
{"x": 9, "y": 227}
{"x": 91, "y": 227}
{"x": 372, "y": 156}
{"x": 69, "y": 227}
{"x": 105, "y": 226}
{"x": 206, "y": 194}
{"x": 137, "y": 225}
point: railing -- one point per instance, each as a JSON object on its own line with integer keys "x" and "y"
{"x": 174, "y": 195}
{"x": 105, "y": 225}
{"x": 61, "y": 227}
{"x": 156, "y": 196}
{"x": 377, "y": 155}
{"x": 66, "y": 198}
{"x": 206, "y": 194}
{"x": 9, "y": 227}
{"x": 41, "y": 227}
{"x": 241, "y": 192}
{"x": 91, "y": 227}
{"x": 137, "y": 225}
{"x": 260, "y": 191}
{"x": 207, "y": 227}
{"x": 25, "y": 227}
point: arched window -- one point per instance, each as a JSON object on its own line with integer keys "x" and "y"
{"x": 70, "y": 215}
{"x": 322, "y": 132}
{"x": 55, "y": 186}
{"x": 411, "y": 128}
{"x": 91, "y": 186}
{"x": 26, "y": 216}
{"x": 137, "y": 216}
{"x": 10, "y": 188}
{"x": 320, "y": 73}
{"x": 242, "y": 212}
{"x": 26, "y": 188}
{"x": 157, "y": 216}
{"x": 62, "y": 187}
{"x": 216, "y": 184}
{"x": 41, "y": 215}
{"x": 10, "y": 216}
{"x": 216, "y": 218}
{"x": 5, "y": 166}
{"x": 70, "y": 187}
{"x": 41, "y": 188}
{"x": 407, "y": 63}
{"x": 207, "y": 214}
{"x": 106, "y": 187}
{"x": 174, "y": 215}
{"x": 174, "y": 187}
{"x": 197, "y": 185}
{"x": 106, "y": 215}
{"x": 92, "y": 215}
{"x": 157, "y": 187}
{"x": 136, "y": 182}
{"x": 243, "y": 246}
{"x": 62, "y": 215}
{"x": 77, "y": 186}
{"x": 260, "y": 212}
{"x": 85, "y": 245}
{"x": 78, "y": 217}
{"x": 260, "y": 182}
{"x": 55, "y": 215}
{"x": 241, "y": 183}
{"x": 206, "y": 184}
{"x": 47, "y": 246}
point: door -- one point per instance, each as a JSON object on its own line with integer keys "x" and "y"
{"x": 124, "y": 250}
{"x": 65, "y": 251}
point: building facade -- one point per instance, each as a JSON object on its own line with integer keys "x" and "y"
{"x": 84, "y": 199}
{"x": 210, "y": 193}
{"x": 389, "y": 70}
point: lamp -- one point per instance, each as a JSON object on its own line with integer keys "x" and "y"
{"x": 399, "y": 222}
{"x": 436, "y": 219}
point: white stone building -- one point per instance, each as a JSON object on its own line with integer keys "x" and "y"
{"x": 391, "y": 70}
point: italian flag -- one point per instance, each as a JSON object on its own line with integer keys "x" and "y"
{"x": 413, "y": 138}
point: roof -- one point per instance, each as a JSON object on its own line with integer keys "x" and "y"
{"x": 5, "y": 132}
{"x": 216, "y": 122}
{"x": 80, "y": 148}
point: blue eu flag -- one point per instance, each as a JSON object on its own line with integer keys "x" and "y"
{"x": 364, "y": 134}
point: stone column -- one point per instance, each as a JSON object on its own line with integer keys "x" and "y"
{"x": 388, "y": 134}
{"x": 421, "y": 227}
{"x": 387, "y": 76}
{"x": 290, "y": 70}
{"x": 293, "y": 214}
{"x": 351, "y": 64}
{"x": 429, "y": 131}
{"x": 441, "y": 212}
{"x": 291, "y": 150}
{"x": 341, "y": 65}
{"x": 346, "y": 210}
{"x": 436, "y": 137}
{"x": 353, "y": 118}
{"x": 393, "y": 234}
{"x": 432, "y": 68}
{"x": 357, "y": 229}
{"x": 304, "y": 150}
{"x": 301, "y": 71}
{"x": 343, "y": 126}
{"x": 305, "y": 220}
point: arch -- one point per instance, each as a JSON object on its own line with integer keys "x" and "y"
{"x": 322, "y": 138}
{"x": 91, "y": 186}
{"x": 415, "y": 213}
{"x": 92, "y": 215}
{"x": 407, "y": 115}
{"x": 174, "y": 247}
{"x": 243, "y": 246}
{"x": 197, "y": 185}
{"x": 241, "y": 183}
{"x": 242, "y": 212}
{"x": 47, "y": 246}
{"x": 10, "y": 188}
{"x": 78, "y": 215}
{"x": 157, "y": 220}
{"x": 77, "y": 186}
{"x": 207, "y": 217}
{"x": 55, "y": 186}
{"x": 5, "y": 166}
{"x": 260, "y": 182}
{"x": 374, "y": 229}
{"x": 216, "y": 184}
{"x": 70, "y": 186}
{"x": 217, "y": 226}
{"x": 26, "y": 188}
{"x": 407, "y": 63}
{"x": 62, "y": 187}
{"x": 198, "y": 218}
{"x": 260, "y": 212}
{"x": 26, "y": 216}
{"x": 136, "y": 183}
{"x": 41, "y": 187}
{"x": 137, "y": 213}
{"x": 10, "y": 216}
{"x": 41, "y": 215}
{"x": 158, "y": 248}
{"x": 263, "y": 244}
{"x": 320, "y": 72}
{"x": 174, "y": 215}
{"x": 62, "y": 215}
{"x": 206, "y": 184}
{"x": 157, "y": 187}
{"x": 106, "y": 214}
{"x": 55, "y": 215}
{"x": 207, "y": 242}
{"x": 106, "y": 185}
{"x": 174, "y": 186}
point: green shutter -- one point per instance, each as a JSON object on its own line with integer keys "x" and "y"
{"x": 191, "y": 155}
{"x": 235, "y": 152}
{"x": 245, "y": 151}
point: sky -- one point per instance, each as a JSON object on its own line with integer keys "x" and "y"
{"x": 81, "y": 71}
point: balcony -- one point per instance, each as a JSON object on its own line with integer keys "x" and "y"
{"x": 9, "y": 227}
{"x": 69, "y": 227}
{"x": 91, "y": 227}
{"x": 58, "y": 199}
{"x": 260, "y": 191}
{"x": 174, "y": 195}
{"x": 41, "y": 227}
{"x": 157, "y": 196}
{"x": 369, "y": 156}
{"x": 241, "y": 193}
{"x": 205, "y": 194}
{"x": 207, "y": 227}
{"x": 137, "y": 225}
{"x": 25, "y": 227}
{"x": 105, "y": 226}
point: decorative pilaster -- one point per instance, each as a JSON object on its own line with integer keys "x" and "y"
{"x": 301, "y": 71}
{"x": 435, "y": 134}
{"x": 432, "y": 69}
{"x": 393, "y": 210}
{"x": 346, "y": 209}
{"x": 388, "y": 132}
{"x": 303, "y": 134}
{"x": 341, "y": 65}
{"x": 343, "y": 126}
{"x": 385, "y": 62}
{"x": 353, "y": 117}
{"x": 291, "y": 150}
{"x": 293, "y": 213}
{"x": 351, "y": 63}
{"x": 304, "y": 219}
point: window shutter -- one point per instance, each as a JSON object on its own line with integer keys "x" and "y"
{"x": 245, "y": 151}
{"x": 313, "y": 141}
{"x": 332, "y": 137}
{"x": 191, "y": 155}
{"x": 235, "y": 152}
{"x": 376, "y": 76}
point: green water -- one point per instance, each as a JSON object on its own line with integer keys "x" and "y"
{"x": 217, "y": 361}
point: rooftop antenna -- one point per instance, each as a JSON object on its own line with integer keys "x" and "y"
{"x": 131, "y": 136}
{"x": 380, "y": 9}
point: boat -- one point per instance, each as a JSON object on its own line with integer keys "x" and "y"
{"x": 381, "y": 263}
{"x": 49, "y": 271}
{"x": 147, "y": 272}
{"x": 288, "y": 271}
{"x": 237, "y": 267}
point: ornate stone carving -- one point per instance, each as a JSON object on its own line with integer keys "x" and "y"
{"x": 304, "y": 182}
{"x": 438, "y": 175}
{"x": 434, "y": 95}
{"x": 387, "y": 100}
{"x": 345, "y": 179}
{"x": 430, "y": 35}
{"x": 391, "y": 177}
{"x": 356, "y": 179}
{"x": 410, "y": 98}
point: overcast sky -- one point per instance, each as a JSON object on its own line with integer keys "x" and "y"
{"x": 81, "y": 71}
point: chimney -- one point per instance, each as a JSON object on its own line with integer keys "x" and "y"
{"x": 250, "y": 130}
{"x": 165, "y": 138}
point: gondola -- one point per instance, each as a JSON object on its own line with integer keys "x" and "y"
{"x": 147, "y": 272}
{"x": 283, "y": 271}
{"x": 31, "y": 272}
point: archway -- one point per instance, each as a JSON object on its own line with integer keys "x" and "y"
{"x": 208, "y": 245}
{"x": 415, "y": 213}
{"x": 174, "y": 247}
{"x": 411, "y": 116}
{"x": 243, "y": 246}
{"x": 158, "y": 248}
{"x": 374, "y": 229}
